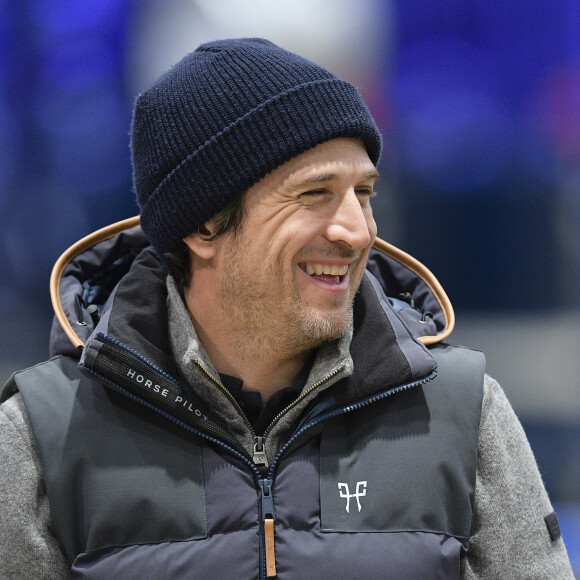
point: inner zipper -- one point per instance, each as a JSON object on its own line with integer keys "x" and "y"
{"x": 300, "y": 397}
{"x": 259, "y": 452}
{"x": 259, "y": 456}
{"x": 227, "y": 393}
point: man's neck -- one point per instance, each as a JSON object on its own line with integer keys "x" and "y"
{"x": 248, "y": 354}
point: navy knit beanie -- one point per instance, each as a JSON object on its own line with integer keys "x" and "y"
{"x": 224, "y": 117}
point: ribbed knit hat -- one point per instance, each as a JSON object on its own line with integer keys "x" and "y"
{"x": 221, "y": 119}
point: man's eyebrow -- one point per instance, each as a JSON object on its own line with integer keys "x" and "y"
{"x": 373, "y": 174}
{"x": 324, "y": 177}
{"x": 318, "y": 178}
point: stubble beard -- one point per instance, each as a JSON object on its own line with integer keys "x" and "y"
{"x": 266, "y": 326}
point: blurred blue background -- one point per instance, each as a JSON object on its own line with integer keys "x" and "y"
{"x": 479, "y": 104}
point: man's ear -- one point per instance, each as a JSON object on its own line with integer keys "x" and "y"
{"x": 200, "y": 243}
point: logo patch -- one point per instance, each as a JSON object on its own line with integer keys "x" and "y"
{"x": 344, "y": 492}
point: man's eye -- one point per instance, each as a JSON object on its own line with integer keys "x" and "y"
{"x": 366, "y": 194}
{"x": 315, "y": 192}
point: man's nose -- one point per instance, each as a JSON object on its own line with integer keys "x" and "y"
{"x": 351, "y": 223}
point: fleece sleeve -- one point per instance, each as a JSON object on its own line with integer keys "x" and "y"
{"x": 28, "y": 550}
{"x": 509, "y": 534}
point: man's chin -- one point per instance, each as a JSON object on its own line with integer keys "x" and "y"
{"x": 320, "y": 327}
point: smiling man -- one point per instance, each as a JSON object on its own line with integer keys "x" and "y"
{"x": 291, "y": 271}
{"x": 256, "y": 385}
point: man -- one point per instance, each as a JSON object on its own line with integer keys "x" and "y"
{"x": 265, "y": 410}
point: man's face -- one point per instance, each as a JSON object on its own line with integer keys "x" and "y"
{"x": 289, "y": 275}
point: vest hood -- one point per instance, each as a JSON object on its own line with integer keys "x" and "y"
{"x": 86, "y": 275}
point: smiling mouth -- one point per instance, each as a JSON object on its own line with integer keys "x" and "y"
{"x": 329, "y": 273}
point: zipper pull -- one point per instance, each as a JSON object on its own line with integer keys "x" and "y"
{"x": 268, "y": 516}
{"x": 260, "y": 452}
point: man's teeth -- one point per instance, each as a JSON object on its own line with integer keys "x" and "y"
{"x": 320, "y": 269}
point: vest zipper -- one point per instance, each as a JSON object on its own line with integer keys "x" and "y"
{"x": 268, "y": 559}
{"x": 268, "y": 515}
